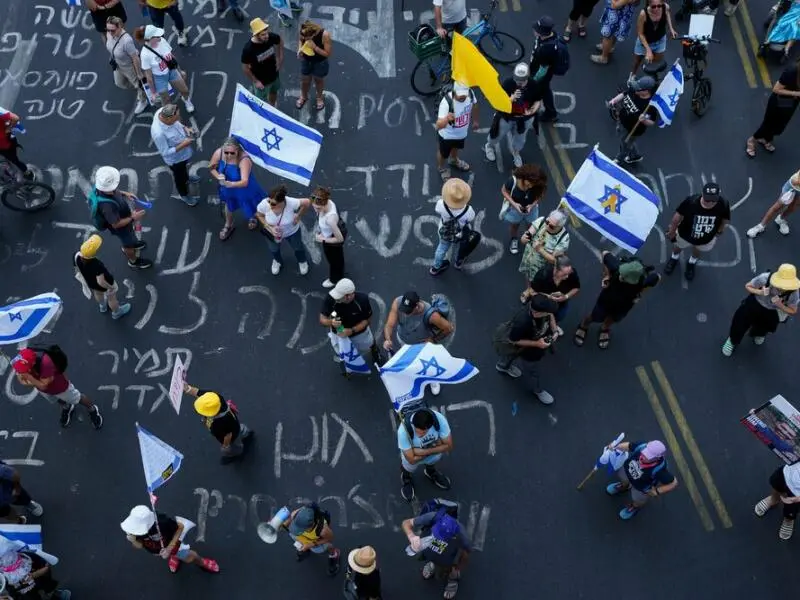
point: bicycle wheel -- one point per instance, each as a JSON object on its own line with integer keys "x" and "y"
{"x": 430, "y": 75}
{"x": 28, "y": 196}
{"x": 501, "y": 48}
{"x": 701, "y": 96}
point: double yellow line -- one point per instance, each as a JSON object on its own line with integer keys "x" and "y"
{"x": 687, "y": 477}
{"x": 556, "y": 165}
{"x": 515, "y": 5}
{"x": 755, "y": 70}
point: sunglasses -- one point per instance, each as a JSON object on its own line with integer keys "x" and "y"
{"x": 227, "y": 153}
{"x": 274, "y": 203}
{"x": 656, "y": 6}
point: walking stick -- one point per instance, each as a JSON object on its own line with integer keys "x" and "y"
{"x": 587, "y": 478}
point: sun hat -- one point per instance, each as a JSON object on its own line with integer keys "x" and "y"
{"x": 24, "y": 361}
{"x": 785, "y": 278}
{"x": 408, "y": 302}
{"x": 152, "y": 31}
{"x": 362, "y": 560}
{"x": 90, "y": 247}
{"x": 631, "y": 272}
{"x": 106, "y": 179}
{"x": 654, "y": 450}
{"x": 258, "y": 25}
{"x": 302, "y": 521}
{"x": 342, "y": 288}
{"x": 445, "y": 528}
{"x": 139, "y": 521}
{"x": 456, "y": 193}
{"x": 460, "y": 89}
{"x": 208, "y": 404}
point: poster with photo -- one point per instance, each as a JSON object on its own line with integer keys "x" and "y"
{"x": 777, "y": 425}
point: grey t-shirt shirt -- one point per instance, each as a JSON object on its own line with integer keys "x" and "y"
{"x": 411, "y": 329}
{"x": 124, "y": 50}
{"x": 453, "y": 11}
{"x": 789, "y": 298}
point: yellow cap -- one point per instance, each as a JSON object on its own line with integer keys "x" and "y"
{"x": 90, "y": 247}
{"x": 258, "y": 25}
{"x": 307, "y": 49}
{"x": 208, "y": 404}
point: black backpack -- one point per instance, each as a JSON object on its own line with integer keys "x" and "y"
{"x": 440, "y": 506}
{"x": 56, "y": 354}
{"x": 562, "y": 62}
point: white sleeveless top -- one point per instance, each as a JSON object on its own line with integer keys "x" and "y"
{"x": 324, "y": 227}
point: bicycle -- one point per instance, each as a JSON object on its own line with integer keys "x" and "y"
{"x": 20, "y": 195}
{"x": 433, "y": 69}
{"x": 695, "y": 52}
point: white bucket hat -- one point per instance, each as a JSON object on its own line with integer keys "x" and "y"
{"x": 106, "y": 179}
{"x": 152, "y": 31}
{"x": 139, "y": 521}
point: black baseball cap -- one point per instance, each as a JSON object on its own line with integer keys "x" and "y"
{"x": 711, "y": 192}
{"x": 541, "y": 303}
{"x": 408, "y": 302}
{"x": 544, "y": 26}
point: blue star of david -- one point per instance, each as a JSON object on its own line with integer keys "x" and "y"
{"x": 673, "y": 98}
{"x": 350, "y": 356}
{"x": 611, "y": 200}
{"x": 15, "y": 316}
{"x": 431, "y": 364}
{"x": 272, "y": 133}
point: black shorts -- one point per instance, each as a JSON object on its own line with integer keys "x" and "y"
{"x": 100, "y": 17}
{"x": 445, "y": 146}
{"x": 778, "y": 482}
{"x": 600, "y": 313}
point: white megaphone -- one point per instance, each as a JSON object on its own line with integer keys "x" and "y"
{"x": 268, "y": 532}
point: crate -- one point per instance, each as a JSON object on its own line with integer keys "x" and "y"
{"x": 428, "y": 48}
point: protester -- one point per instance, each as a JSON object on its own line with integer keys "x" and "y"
{"x": 110, "y": 211}
{"x": 353, "y": 313}
{"x": 449, "y": 16}
{"x": 315, "y": 47}
{"x": 98, "y": 278}
{"x": 174, "y": 142}
{"x": 636, "y": 114}
{"x": 423, "y": 438}
{"x": 309, "y": 527}
{"x": 44, "y": 370}
{"x": 158, "y": 8}
{"x": 785, "y": 491}
{"x": 161, "y": 534}
{"x": 559, "y": 282}
{"x": 578, "y": 16}
{"x": 652, "y": 26}
{"x": 454, "y": 229}
{"x": 161, "y": 69}
{"x": 644, "y": 473}
{"x": 330, "y": 234}
{"x": 9, "y": 145}
{"x": 262, "y": 60}
{"x": 280, "y": 217}
{"x": 221, "y": 418}
{"x": 615, "y": 25}
{"x": 456, "y": 109}
{"x": 28, "y": 573}
{"x": 545, "y": 240}
{"x": 363, "y": 578}
{"x": 237, "y": 11}
{"x": 522, "y": 193}
{"x": 545, "y": 61}
{"x": 772, "y": 299}
{"x": 102, "y": 11}
{"x": 780, "y": 109}
{"x": 784, "y": 206}
{"x": 124, "y": 59}
{"x": 13, "y": 496}
{"x": 444, "y": 546}
{"x": 238, "y": 188}
{"x": 624, "y": 281}
{"x": 698, "y": 221}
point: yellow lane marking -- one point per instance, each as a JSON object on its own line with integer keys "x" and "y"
{"x": 672, "y": 442}
{"x": 691, "y": 444}
{"x": 562, "y": 154}
{"x": 743, "y": 55}
{"x": 503, "y": 6}
{"x": 754, "y": 44}
{"x": 552, "y": 166}
{"x": 515, "y": 4}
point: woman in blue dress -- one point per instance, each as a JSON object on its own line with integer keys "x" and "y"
{"x": 238, "y": 188}
{"x": 615, "y": 25}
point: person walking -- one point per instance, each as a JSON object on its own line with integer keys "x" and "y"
{"x": 615, "y": 25}
{"x": 124, "y": 60}
{"x": 14, "y": 496}
{"x": 545, "y": 240}
{"x": 652, "y": 26}
{"x": 781, "y": 106}
{"x": 456, "y": 109}
{"x": 522, "y": 193}
{"x": 363, "y": 577}
{"x": 645, "y": 473}
{"x": 785, "y": 492}
{"x": 221, "y": 418}
{"x": 578, "y": 16}
{"x": 28, "y": 573}
{"x": 280, "y": 217}
{"x": 174, "y": 142}
{"x": 455, "y": 229}
{"x": 347, "y": 313}
{"x": 158, "y": 8}
{"x": 238, "y": 188}
{"x": 309, "y": 527}
{"x": 698, "y": 221}
{"x": 161, "y": 69}
{"x": 44, "y": 369}
{"x": 315, "y": 48}
{"x": 449, "y": 16}
{"x": 98, "y": 278}
{"x": 546, "y": 58}
{"x": 784, "y": 206}
{"x": 110, "y": 210}
{"x": 330, "y": 232}
{"x": 262, "y": 60}
{"x": 636, "y": 114}
{"x": 423, "y": 437}
{"x": 158, "y": 533}
{"x": 772, "y": 298}
{"x": 559, "y": 282}
{"x": 103, "y": 10}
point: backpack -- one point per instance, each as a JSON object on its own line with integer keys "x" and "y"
{"x": 440, "y": 506}
{"x": 410, "y": 409}
{"x": 655, "y": 469}
{"x": 450, "y": 229}
{"x": 440, "y": 305}
{"x": 98, "y": 220}
{"x": 56, "y": 354}
{"x": 562, "y": 63}
{"x": 446, "y": 93}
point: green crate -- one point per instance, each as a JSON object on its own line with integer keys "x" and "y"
{"x": 427, "y": 49}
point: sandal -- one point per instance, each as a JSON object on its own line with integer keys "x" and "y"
{"x": 598, "y": 59}
{"x": 459, "y": 164}
{"x": 787, "y": 529}
{"x": 173, "y": 564}
{"x": 451, "y": 589}
{"x": 603, "y": 339}
{"x": 301, "y": 102}
{"x": 768, "y": 146}
{"x": 226, "y": 232}
{"x": 581, "y": 32}
{"x": 320, "y": 105}
{"x": 428, "y": 570}
{"x": 252, "y": 224}
{"x": 763, "y": 506}
{"x": 210, "y": 565}
{"x": 580, "y": 336}
{"x": 750, "y": 148}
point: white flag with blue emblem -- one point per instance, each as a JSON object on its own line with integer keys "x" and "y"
{"x": 669, "y": 92}
{"x": 24, "y": 538}
{"x": 612, "y": 201}
{"x": 274, "y": 140}
{"x": 160, "y": 460}
{"x": 406, "y": 374}
{"x": 27, "y": 318}
{"x": 73, "y": 2}
{"x": 349, "y": 354}
{"x": 612, "y": 458}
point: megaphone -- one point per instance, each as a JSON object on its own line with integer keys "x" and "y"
{"x": 268, "y": 532}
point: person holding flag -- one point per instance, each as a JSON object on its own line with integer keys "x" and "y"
{"x": 347, "y": 313}
{"x": 636, "y": 114}
{"x": 221, "y": 418}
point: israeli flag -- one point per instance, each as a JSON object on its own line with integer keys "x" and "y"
{"x": 24, "y": 538}
{"x": 406, "y": 374}
{"x": 160, "y": 460}
{"x": 19, "y": 128}
{"x": 27, "y": 318}
{"x": 612, "y": 459}
{"x": 349, "y": 354}
{"x": 73, "y": 2}
{"x": 274, "y": 140}
{"x": 612, "y": 201}
{"x": 668, "y": 93}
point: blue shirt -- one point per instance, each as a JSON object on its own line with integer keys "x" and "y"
{"x": 431, "y": 438}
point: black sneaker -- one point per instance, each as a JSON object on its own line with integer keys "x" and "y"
{"x": 96, "y": 418}
{"x": 407, "y": 489}
{"x": 689, "y": 272}
{"x": 333, "y": 564}
{"x": 302, "y": 555}
{"x": 439, "y": 480}
{"x": 670, "y": 266}
{"x": 140, "y": 263}
{"x": 445, "y": 265}
{"x": 66, "y": 415}
{"x": 459, "y": 263}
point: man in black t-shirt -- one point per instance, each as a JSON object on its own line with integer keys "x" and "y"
{"x": 221, "y": 418}
{"x": 353, "y": 313}
{"x": 698, "y": 221}
{"x": 98, "y": 278}
{"x": 262, "y": 59}
{"x": 544, "y": 58}
{"x": 559, "y": 282}
{"x": 636, "y": 114}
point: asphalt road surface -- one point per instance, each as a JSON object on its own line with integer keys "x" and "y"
{"x": 255, "y": 337}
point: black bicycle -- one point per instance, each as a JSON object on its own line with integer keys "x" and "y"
{"x": 695, "y": 53}
{"x": 21, "y": 195}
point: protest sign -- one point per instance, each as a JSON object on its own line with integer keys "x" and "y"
{"x": 777, "y": 425}
{"x": 176, "y": 385}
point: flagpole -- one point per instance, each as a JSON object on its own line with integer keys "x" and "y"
{"x": 587, "y": 478}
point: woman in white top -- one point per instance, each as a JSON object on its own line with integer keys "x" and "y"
{"x": 785, "y": 484}
{"x": 160, "y": 67}
{"x": 455, "y": 231}
{"x": 124, "y": 60}
{"x": 280, "y": 217}
{"x": 329, "y": 234}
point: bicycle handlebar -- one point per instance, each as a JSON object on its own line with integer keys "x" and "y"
{"x": 698, "y": 39}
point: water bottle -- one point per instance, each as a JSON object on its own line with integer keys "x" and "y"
{"x": 340, "y": 328}
{"x": 425, "y": 543}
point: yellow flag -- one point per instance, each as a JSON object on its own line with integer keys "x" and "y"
{"x": 471, "y": 68}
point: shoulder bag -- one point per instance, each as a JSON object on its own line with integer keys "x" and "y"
{"x": 172, "y": 64}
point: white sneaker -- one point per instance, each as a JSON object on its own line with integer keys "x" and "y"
{"x": 783, "y": 225}
{"x": 189, "y": 106}
{"x": 182, "y": 39}
{"x": 35, "y": 509}
{"x": 517, "y": 159}
{"x": 489, "y": 152}
{"x": 327, "y": 284}
{"x": 276, "y": 267}
{"x": 758, "y": 340}
{"x": 755, "y": 231}
{"x": 303, "y": 268}
{"x": 141, "y": 104}
{"x": 436, "y": 388}
{"x": 545, "y": 397}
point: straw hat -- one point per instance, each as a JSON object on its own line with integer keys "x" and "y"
{"x": 456, "y": 193}
{"x": 785, "y": 278}
{"x": 90, "y": 247}
{"x": 208, "y": 404}
{"x": 362, "y": 560}
{"x": 139, "y": 521}
{"x": 258, "y": 25}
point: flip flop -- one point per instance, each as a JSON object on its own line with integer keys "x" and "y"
{"x": 750, "y": 149}
{"x": 173, "y": 564}
{"x": 567, "y": 35}
{"x": 301, "y": 102}
{"x": 459, "y": 164}
{"x": 603, "y": 339}
{"x": 226, "y": 232}
{"x": 768, "y": 146}
{"x": 451, "y": 589}
{"x": 320, "y": 104}
{"x": 581, "y": 32}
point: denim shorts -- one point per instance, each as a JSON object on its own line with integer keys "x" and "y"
{"x": 161, "y": 82}
{"x": 70, "y": 396}
{"x": 318, "y": 69}
{"x": 127, "y": 236}
{"x": 785, "y": 198}
{"x": 657, "y": 47}
{"x": 515, "y": 217}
